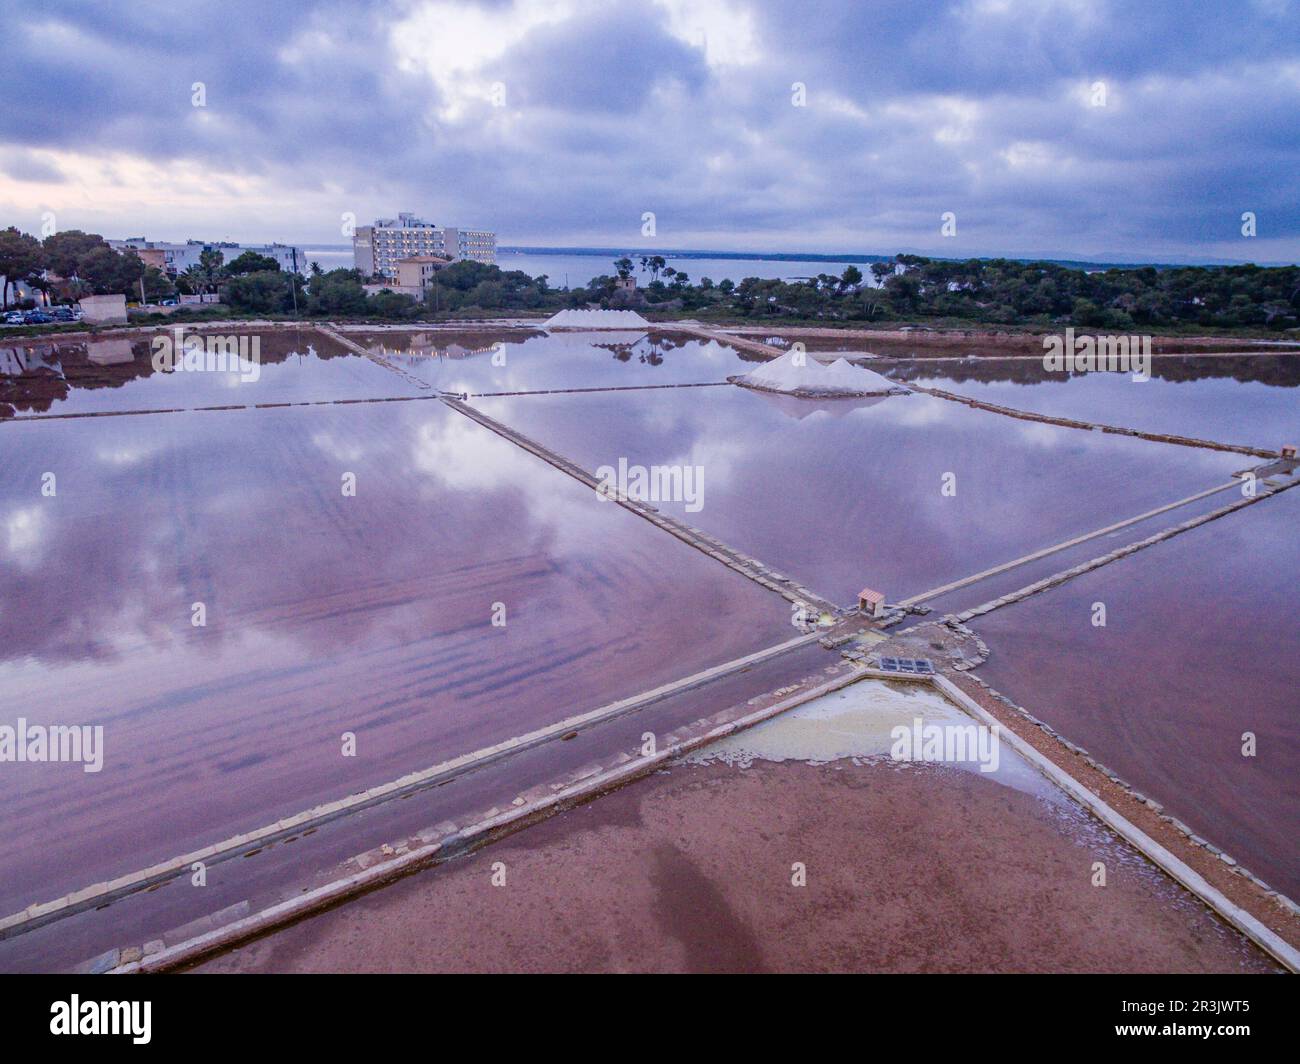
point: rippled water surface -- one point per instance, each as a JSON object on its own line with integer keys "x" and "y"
{"x": 1201, "y": 645}
{"x": 1252, "y": 401}
{"x": 843, "y": 494}
{"x": 325, "y": 614}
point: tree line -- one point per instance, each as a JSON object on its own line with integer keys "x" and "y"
{"x": 993, "y": 292}
{"x": 988, "y": 292}
{"x": 66, "y": 266}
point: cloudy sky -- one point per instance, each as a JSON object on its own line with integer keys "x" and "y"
{"x": 1088, "y": 128}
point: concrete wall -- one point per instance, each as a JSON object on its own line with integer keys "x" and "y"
{"x": 103, "y": 310}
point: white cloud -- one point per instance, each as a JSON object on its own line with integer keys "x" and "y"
{"x": 24, "y": 535}
{"x": 451, "y": 42}
{"x": 724, "y": 31}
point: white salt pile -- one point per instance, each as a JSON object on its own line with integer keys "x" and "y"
{"x": 596, "y": 319}
{"x": 787, "y": 375}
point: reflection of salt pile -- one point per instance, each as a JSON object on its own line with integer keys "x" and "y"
{"x": 612, "y": 340}
{"x": 788, "y": 376}
{"x": 596, "y": 319}
{"x": 833, "y": 406}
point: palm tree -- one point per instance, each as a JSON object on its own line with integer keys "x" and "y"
{"x": 37, "y": 283}
{"x": 204, "y": 275}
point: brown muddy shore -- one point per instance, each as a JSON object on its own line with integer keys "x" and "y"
{"x": 1235, "y": 882}
{"x": 902, "y": 340}
{"x": 1144, "y": 813}
{"x": 908, "y": 869}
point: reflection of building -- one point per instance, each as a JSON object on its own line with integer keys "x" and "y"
{"x": 423, "y": 345}
{"x": 378, "y": 248}
{"x": 177, "y": 258}
{"x": 109, "y": 352}
{"x": 17, "y": 361}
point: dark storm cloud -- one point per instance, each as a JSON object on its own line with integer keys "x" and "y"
{"x": 611, "y": 60}
{"x": 25, "y": 166}
{"x": 613, "y": 109}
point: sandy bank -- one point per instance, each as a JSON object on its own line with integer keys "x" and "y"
{"x": 916, "y": 868}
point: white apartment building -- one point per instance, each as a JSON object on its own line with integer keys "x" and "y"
{"x": 177, "y": 258}
{"x": 378, "y": 248}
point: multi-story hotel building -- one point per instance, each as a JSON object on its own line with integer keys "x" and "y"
{"x": 378, "y": 248}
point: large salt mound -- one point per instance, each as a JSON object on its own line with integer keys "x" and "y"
{"x": 812, "y": 378}
{"x": 596, "y": 319}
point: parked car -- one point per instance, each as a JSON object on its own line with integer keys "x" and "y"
{"x": 15, "y": 317}
{"x": 36, "y": 317}
{"x": 62, "y": 314}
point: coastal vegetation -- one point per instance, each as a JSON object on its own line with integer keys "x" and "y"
{"x": 988, "y": 292}
{"x": 983, "y": 292}
{"x": 67, "y": 266}
{"x": 972, "y": 293}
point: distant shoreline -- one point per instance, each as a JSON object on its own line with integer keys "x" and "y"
{"x": 818, "y": 256}
{"x": 793, "y": 256}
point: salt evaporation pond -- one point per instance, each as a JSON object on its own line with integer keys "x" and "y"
{"x": 845, "y": 493}
{"x": 118, "y": 375}
{"x": 325, "y": 614}
{"x": 1252, "y": 401}
{"x": 464, "y": 362}
{"x": 1201, "y": 645}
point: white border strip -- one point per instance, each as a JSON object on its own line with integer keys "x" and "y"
{"x": 274, "y": 916}
{"x": 1065, "y": 545}
{"x": 269, "y": 918}
{"x": 88, "y": 897}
